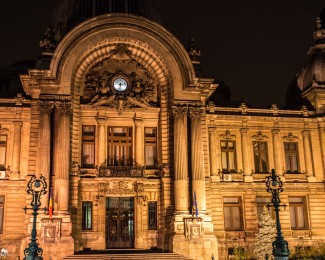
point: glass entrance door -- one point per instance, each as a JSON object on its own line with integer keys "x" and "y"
{"x": 119, "y": 222}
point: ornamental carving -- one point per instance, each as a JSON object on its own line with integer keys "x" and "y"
{"x": 290, "y": 138}
{"x": 50, "y": 230}
{"x": 179, "y": 111}
{"x": 122, "y": 187}
{"x": 194, "y": 229}
{"x": 63, "y": 107}
{"x": 45, "y": 106}
{"x": 227, "y": 135}
{"x": 119, "y": 81}
{"x": 260, "y": 136}
{"x": 196, "y": 111}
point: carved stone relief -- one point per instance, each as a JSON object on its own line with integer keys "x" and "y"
{"x": 119, "y": 81}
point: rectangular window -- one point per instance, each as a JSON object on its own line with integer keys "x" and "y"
{"x": 232, "y": 213}
{"x": 119, "y": 146}
{"x": 298, "y": 213}
{"x": 88, "y": 146}
{"x": 150, "y": 147}
{"x": 87, "y": 209}
{"x": 2, "y": 203}
{"x": 228, "y": 156}
{"x": 3, "y": 149}
{"x": 152, "y": 215}
{"x": 291, "y": 157}
{"x": 260, "y": 157}
{"x": 261, "y": 203}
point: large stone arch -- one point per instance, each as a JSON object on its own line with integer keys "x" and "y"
{"x": 151, "y": 44}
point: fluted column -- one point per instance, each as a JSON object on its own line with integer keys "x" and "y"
{"x": 197, "y": 160}
{"x": 61, "y": 155}
{"x": 246, "y": 158}
{"x": 139, "y": 148}
{"x": 15, "y": 170}
{"x": 180, "y": 159}
{"x": 212, "y": 151}
{"x": 307, "y": 151}
{"x": 276, "y": 152}
{"x": 101, "y": 141}
{"x": 44, "y": 145}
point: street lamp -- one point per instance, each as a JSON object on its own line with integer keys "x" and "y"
{"x": 280, "y": 246}
{"x": 35, "y": 187}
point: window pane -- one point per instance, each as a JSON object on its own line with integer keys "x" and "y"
{"x": 231, "y": 161}
{"x": 88, "y": 146}
{"x": 228, "y": 156}
{"x": 86, "y": 215}
{"x": 224, "y": 160}
{"x": 119, "y": 146}
{"x": 152, "y": 218}
{"x": 150, "y": 143}
{"x": 232, "y": 213}
{"x": 3, "y": 147}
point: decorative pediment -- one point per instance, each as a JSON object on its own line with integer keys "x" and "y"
{"x": 119, "y": 81}
{"x": 227, "y": 135}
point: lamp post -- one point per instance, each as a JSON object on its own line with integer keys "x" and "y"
{"x": 280, "y": 246}
{"x": 35, "y": 187}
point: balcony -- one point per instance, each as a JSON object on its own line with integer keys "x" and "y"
{"x": 134, "y": 170}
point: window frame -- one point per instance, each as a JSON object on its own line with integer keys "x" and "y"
{"x": 4, "y": 144}
{"x": 260, "y": 152}
{"x": 227, "y": 151}
{"x": 295, "y": 205}
{"x": 2, "y": 213}
{"x": 93, "y": 142}
{"x": 154, "y": 214}
{"x": 152, "y": 142}
{"x": 239, "y": 205}
{"x": 84, "y": 205}
{"x": 290, "y": 153}
{"x": 113, "y": 141}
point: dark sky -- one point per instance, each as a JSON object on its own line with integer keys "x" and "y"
{"x": 255, "y": 46}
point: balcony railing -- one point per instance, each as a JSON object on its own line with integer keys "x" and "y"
{"x": 134, "y": 170}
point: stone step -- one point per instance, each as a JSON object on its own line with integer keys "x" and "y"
{"x": 137, "y": 256}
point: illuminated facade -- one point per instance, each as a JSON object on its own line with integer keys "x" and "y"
{"x": 116, "y": 118}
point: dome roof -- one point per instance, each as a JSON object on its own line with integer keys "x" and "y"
{"x": 69, "y": 13}
{"x": 314, "y": 73}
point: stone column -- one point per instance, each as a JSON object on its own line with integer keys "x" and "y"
{"x": 101, "y": 155}
{"x": 246, "y": 158}
{"x": 15, "y": 170}
{"x": 139, "y": 146}
{"x": 307, "y": 151}
{"x": 276, "y": 152}
{"x": 197, "y": 159}
{"x": 44, "y": 146}
{"x": 180, "y": 159}
{"x": 212, "y": 151}
{"x": 61, "y": 155}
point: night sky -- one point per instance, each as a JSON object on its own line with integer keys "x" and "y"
{"x": 256, "y": 47}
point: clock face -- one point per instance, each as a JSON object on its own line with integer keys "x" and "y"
{"x": 120, "y": 84}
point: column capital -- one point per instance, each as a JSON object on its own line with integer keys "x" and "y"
{"x": 179, "y": 110}
{"x": 243, "y": 130}
{"x": 45, "y": 106}
{"x": 63, "y": 106}
{"x": 195, "y": 111}
{"x": 101, "y": 120}
{"x": 275, "y": 131}
{"x": 305, "y": 132}
{"x": 18, "y": 123}
{"x": 212, "y": 129}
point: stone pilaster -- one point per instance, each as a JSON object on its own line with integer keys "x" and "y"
{"x": 212, "y": 152}
{"x": 180, "y": 159}
{"x": 276, "y": 152}
{"x": 44, "y": 145}
{"x": 198, "y": 177}
{"x": 245, "y": 154}
{"x": 15, "y": 171}
{"x": 61, "y": 155}
{"x": 101, "y": 141}
{"x": 308, "y": 154}
{"x": 139, "y": 150}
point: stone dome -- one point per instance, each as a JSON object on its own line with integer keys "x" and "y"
{"x": 313, "y": 74}
{"x": 70, "y": 13}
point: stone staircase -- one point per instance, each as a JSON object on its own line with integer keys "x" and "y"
{"x": 126, "y": 256}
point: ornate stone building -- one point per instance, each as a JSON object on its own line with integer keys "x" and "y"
{"x": 116, "y": 116}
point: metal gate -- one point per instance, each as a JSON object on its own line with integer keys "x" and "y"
{"x": 119, "y": 222}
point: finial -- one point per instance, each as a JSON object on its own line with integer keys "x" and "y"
{"x": 194, "y": 51}
{"x": 48, "y": 43}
